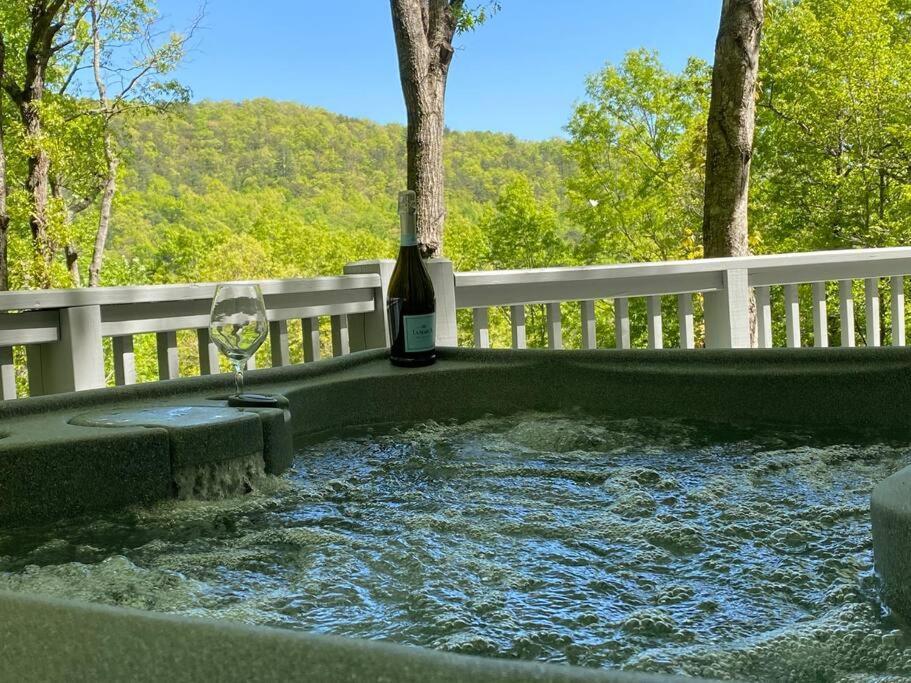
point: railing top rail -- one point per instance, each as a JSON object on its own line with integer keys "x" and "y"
{"x": 544, "y": 285}
{"x": 65, "y": 298}
{"x": 626, "y": 270}
{"x": 515, "y": 286}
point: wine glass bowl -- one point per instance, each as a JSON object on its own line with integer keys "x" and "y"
{"x": 238, "y": 325}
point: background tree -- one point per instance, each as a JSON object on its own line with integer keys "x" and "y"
{"x": 46, "y": 19}
{"x": 424, "y": 30}
{"x": 139, "y": 87}
{"x": 833, "y": 143}
{"x": 732, "y": 114}
{"x": 638, "y": 141}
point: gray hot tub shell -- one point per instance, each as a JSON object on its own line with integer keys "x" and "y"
{"x": 74, "y": 453}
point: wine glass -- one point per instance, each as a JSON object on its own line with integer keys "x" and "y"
{"x": 238, "y": 325}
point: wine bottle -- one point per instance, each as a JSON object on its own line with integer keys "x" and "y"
{"x": 411, "y": 303}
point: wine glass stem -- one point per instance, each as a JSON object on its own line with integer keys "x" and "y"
{"x": 239, "y": 377}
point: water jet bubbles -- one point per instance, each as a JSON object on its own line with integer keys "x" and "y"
{"x": 634, "y": 504}
{"x": 675, "y": 593}
{"x": 650, "y": 622}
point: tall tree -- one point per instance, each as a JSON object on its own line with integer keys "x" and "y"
{"x": 423, "y": 35}
{"x": 732, "y": 116}
{"x": 424, "y": 30}
{"x": 110, "y": 157}
{"x": 46, "y": 20}
{"x": 139, "y": 87}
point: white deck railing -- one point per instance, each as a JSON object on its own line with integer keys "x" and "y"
{"x": 725, "y": 284}
{"x": 63, "y": 330}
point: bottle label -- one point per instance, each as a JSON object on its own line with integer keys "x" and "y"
{"x": 409, "y": 239}
{"x": 419, "y": 334}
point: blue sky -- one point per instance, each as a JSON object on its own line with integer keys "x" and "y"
{"x": 520, "y": 73}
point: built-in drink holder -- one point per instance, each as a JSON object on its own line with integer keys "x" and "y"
{"x": 254, "y": 401}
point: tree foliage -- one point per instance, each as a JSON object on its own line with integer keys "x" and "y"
{"x": 833, "y": 147}
{"x": 638, "y": 141}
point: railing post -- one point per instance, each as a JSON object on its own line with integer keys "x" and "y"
{"x": 74, "y": 362}
{"x": 517, "y": 322}
{"x": 208, "y": 353}
{"x": 168, "y": 360}
{"x": 278, "y": 343}
{"x": 685, "y": 321}
{"x": 341, "y": 335}
{"x": 124, "y": 360}
{"x": 763, "y": 318}
{"x": 727, "y": 312}
{"x": 587, "y": 315}
{"x": 480, "y": 324}
{"x": 621, "y": 323}
{"x": 653, "y": 322}
{"x": 871, "y": 301}
{"x": 371, "y": 330}
{"x": 820, "y": 315}
{"x": 791, "y": 316}
{"x": 554, "y": 323}
{"x": 443, "y": 278}
{"x": 846, "y": 311}
{"x": 7, "y": 374}
{"x": 310, "y": 339}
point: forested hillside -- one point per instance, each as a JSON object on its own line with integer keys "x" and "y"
{"x": 270, "y": 189}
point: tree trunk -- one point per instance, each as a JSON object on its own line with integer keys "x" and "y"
{"x": 72, "y": 264}
{"x": 107, "y": 203}
{"x": 423, "y": 36}
{"x": 732, "y": 114}
{"x": 38, "y": 183}
{"x": 73, "y": 208}
{"x": 110, "y": 156}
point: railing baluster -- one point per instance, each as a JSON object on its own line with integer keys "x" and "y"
{"x": 517, "y": 320}
{"x": 278, "y": 343}
{"x": 792, "y": 316}
{"x": 685, "y": 321}
{"x": 587, "y": 311}
{"x": 846, "y": 311}
{"x": 763, "y": 318}
{"x": 655, "y": 331}
{"x": 481, "y": 324}
{"x": 209, "y": 362}
{"x": 341, "y": 345}
{"x": 621, "y": 323}
{"x": 820, "y": 317}
{"x": 168, "y": 365}
{"x": 7, "y": 374}
{"x": 124, "y": 360}
{"x": 871, "y": 301}
{"x": 554, "y": 326}
{"x": 898, "y": 311}
{"x": 310, "y": 335}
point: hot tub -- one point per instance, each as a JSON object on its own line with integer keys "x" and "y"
{"x": 89, "y": 453}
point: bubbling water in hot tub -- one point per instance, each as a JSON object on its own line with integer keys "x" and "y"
{"x": 653, "y": 545}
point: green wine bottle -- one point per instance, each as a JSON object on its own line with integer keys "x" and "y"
{"x": 411, "y": 303}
